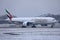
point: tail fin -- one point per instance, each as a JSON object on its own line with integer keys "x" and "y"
{"x": 9, "y": 15}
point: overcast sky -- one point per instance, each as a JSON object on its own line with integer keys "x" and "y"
{"x": 30, "y": 7}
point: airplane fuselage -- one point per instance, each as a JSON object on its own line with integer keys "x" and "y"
{"x": 35, "y": 19}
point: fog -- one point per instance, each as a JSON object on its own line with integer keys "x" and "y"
{"x": 30, "y": 7}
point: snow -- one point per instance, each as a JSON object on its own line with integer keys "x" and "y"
{"x": 29, "y": 33}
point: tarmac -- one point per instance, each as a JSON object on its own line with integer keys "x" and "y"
{"x": 29, "y": 33}
{"x": 15, "y": 32}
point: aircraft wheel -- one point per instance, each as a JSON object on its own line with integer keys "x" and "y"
{"x": 23, "y": 26}
{"x": 33, "y": 26}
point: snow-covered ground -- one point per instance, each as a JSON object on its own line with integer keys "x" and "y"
{"x": 57, "y": 25}
{"x": 29, "y": 33}
{"x": 15, "y": 32}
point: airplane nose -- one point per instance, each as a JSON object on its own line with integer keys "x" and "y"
{"x": 55, "y": 21}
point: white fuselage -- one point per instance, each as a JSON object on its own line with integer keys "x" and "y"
{"x": 35, "y": 19}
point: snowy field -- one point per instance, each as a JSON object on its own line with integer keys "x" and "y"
{"x": 16, "y": 33}
{"x": 29, "y": 33}
{"x": 57, "y": 25}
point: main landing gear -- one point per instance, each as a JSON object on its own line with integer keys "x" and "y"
{"x": 23, "y": 26}
{"x": 33, "y": 26}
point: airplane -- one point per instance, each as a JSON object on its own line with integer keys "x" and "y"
{"x": 31, "y": 21}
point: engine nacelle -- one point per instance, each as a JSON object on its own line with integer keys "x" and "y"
{"x": 27, "y": 23}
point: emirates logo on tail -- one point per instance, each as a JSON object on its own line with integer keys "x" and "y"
{"x": 9, "y": 15}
